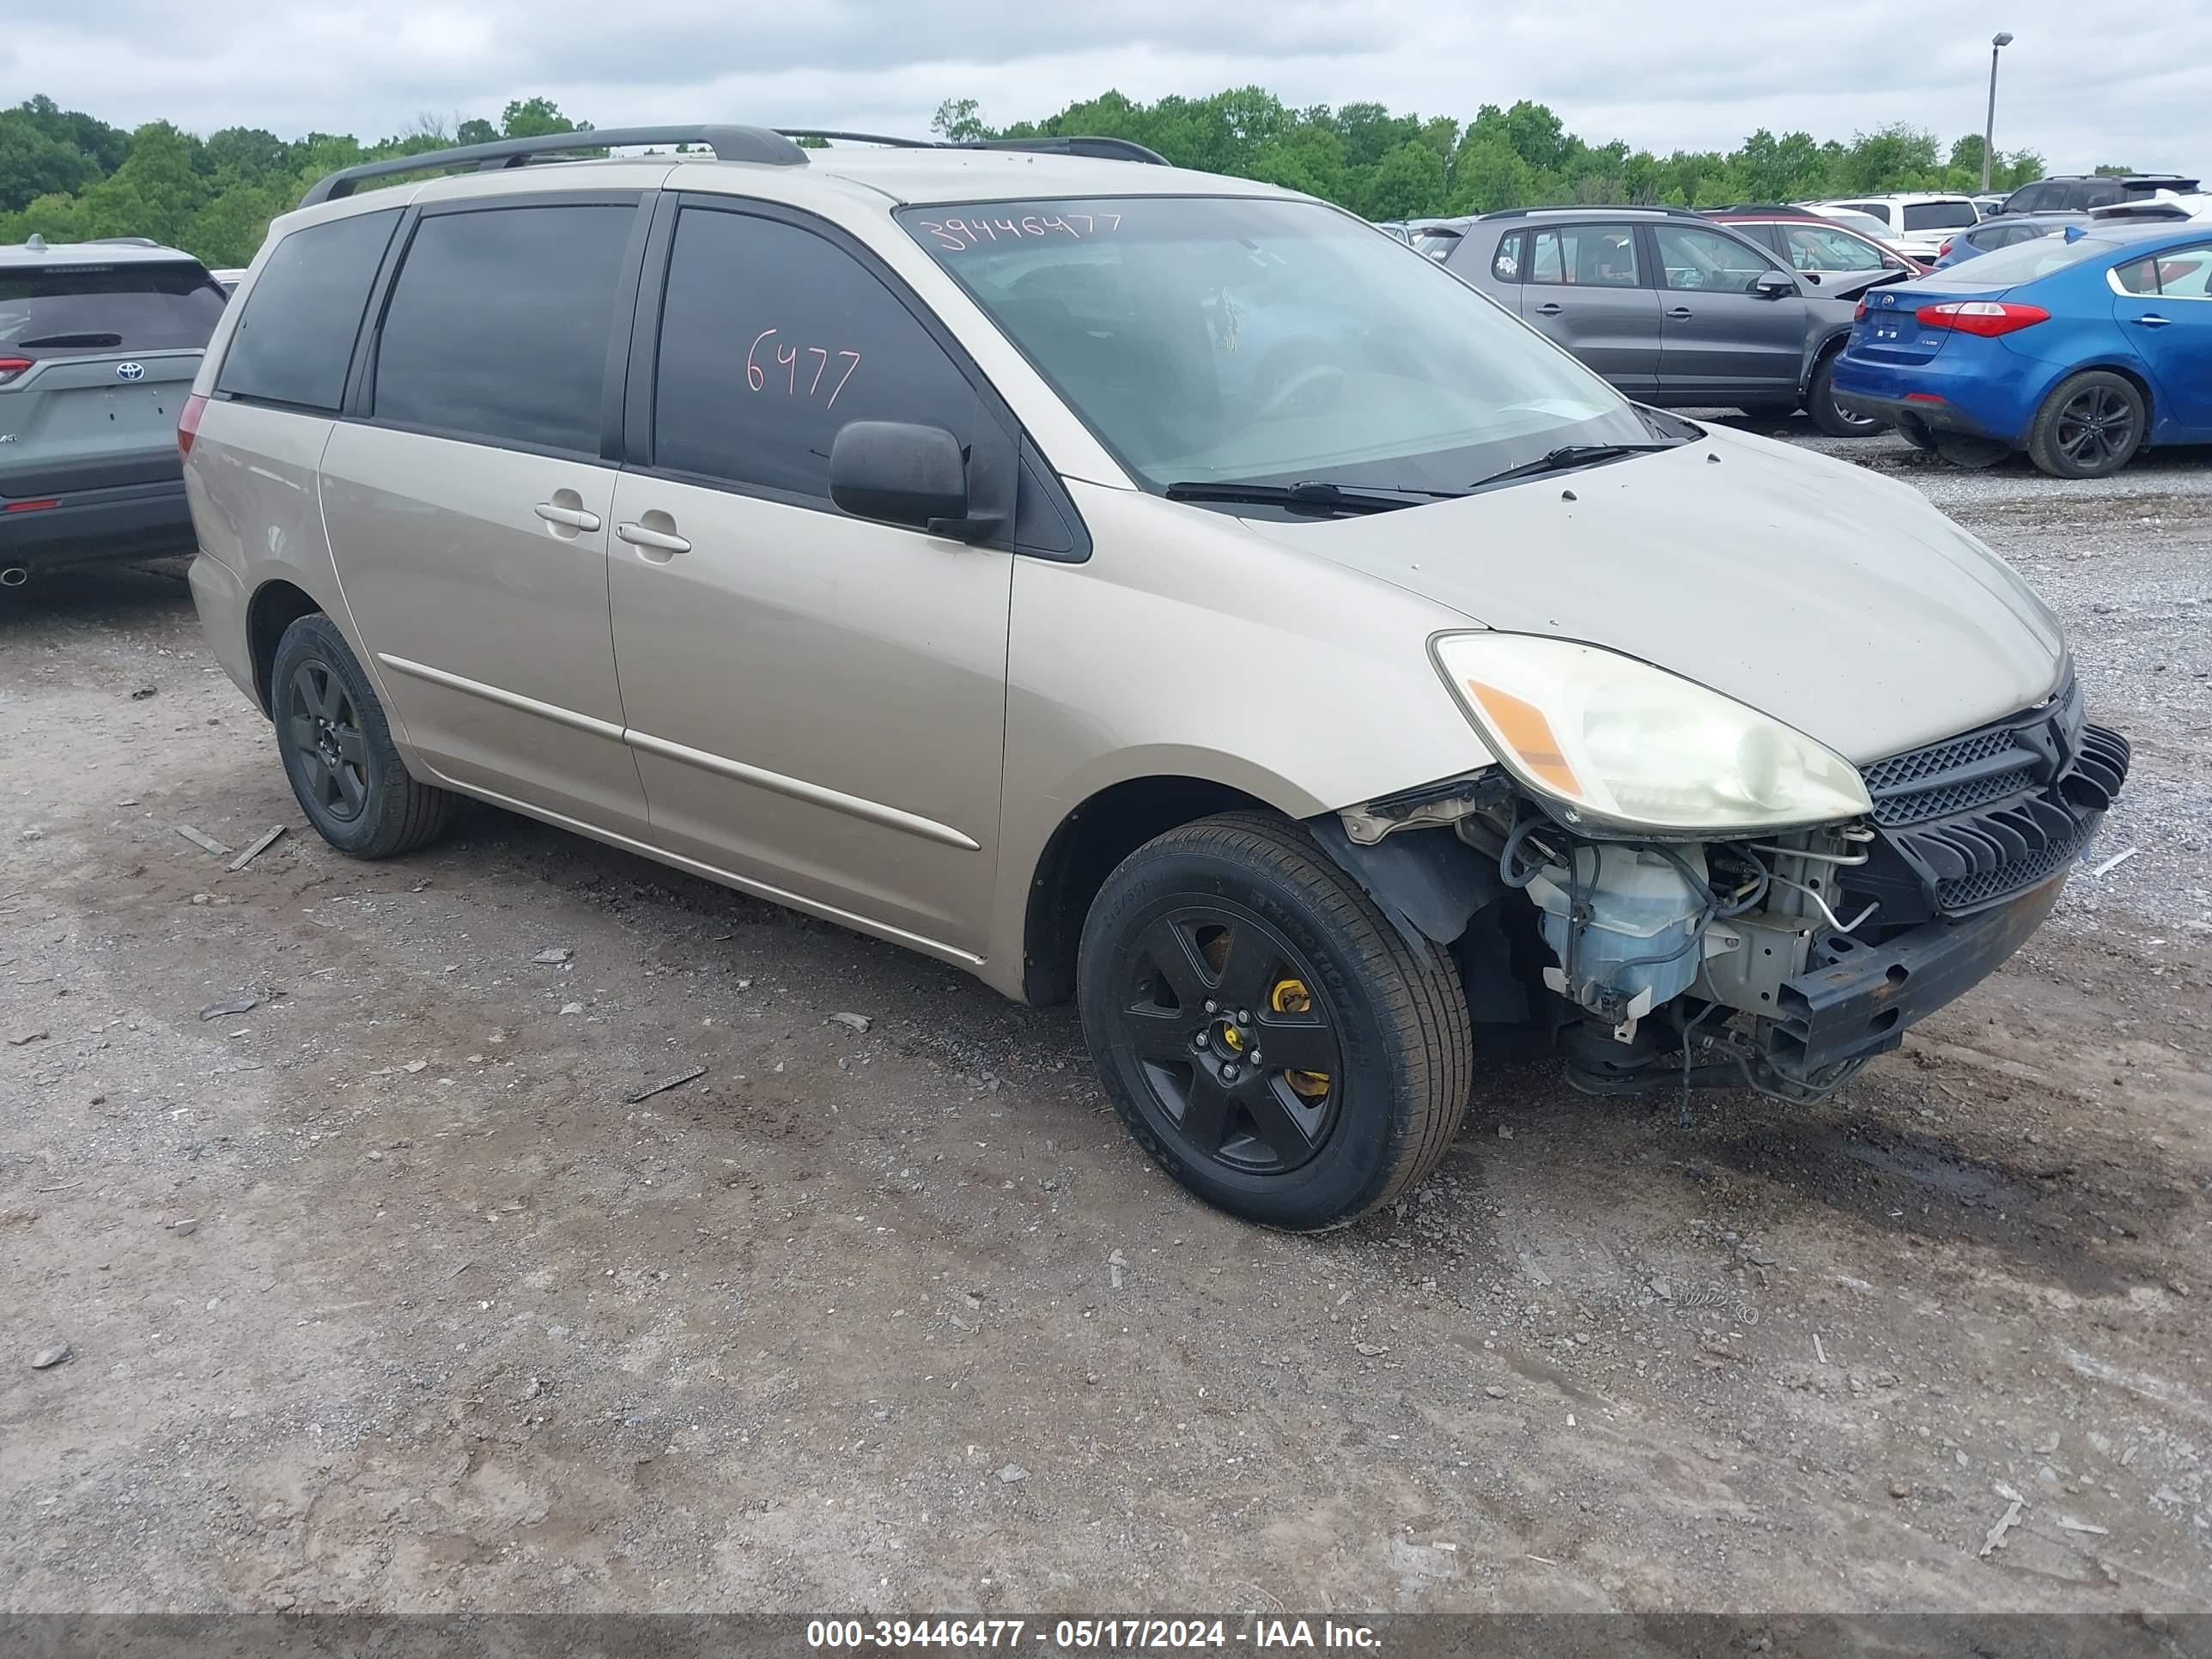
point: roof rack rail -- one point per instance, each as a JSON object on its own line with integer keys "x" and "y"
{"x": 729, "y": 143}
{"x": 857, "y": 137}
{"x": 1762, "y": 207}
{"x": 1592, "y": 207}
{"x": 1090, "y": 144}
{"x": 124, "y": 241}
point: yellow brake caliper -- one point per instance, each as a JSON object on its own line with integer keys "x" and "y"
{"x": 1290, "y": 996}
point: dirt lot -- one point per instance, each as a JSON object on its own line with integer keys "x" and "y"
{"x": 383, "y": 1293}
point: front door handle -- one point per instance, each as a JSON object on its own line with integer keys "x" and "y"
{"x": 575, "y": 517}
{"x": 1550, "y": 308}
{"x": 660, "y": 541}
{"x": 2152, "y": 321}
{"x": 1679, "y": 313}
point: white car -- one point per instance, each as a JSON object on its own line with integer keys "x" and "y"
{"x": 1914, "y": 224}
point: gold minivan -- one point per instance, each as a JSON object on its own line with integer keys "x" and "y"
{"x": 1129, "y": 584}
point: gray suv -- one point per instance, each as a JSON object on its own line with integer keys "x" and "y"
{"x": 98, "y": 344}
{"x": 1672, "y": 309}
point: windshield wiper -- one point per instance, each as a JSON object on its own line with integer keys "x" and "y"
{"x": 1316, "y": 494}
{"x": 66, "y": 340}
{"x": 1567, "y": 458}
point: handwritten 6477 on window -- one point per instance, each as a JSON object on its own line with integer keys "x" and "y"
{"x": 794, "y": 363}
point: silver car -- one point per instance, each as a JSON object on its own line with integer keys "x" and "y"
{"x": 1136, "y": 586}
{"x": 1673, "y": 308}
{"x": 98, "y": 344}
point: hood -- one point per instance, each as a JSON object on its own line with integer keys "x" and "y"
{"x": 1838, "y": 602}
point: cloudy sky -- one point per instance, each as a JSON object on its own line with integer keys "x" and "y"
{"x": 2125, "y": 81}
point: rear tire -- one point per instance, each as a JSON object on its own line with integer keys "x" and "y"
{"x": 337, "y": 749}
{"x": 2089, "y": 427}
{"x": 1225, "y": 937}
{"x": 1829, "y": 415}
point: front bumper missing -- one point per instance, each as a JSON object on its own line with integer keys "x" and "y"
{"x": 1860, "y": 1003}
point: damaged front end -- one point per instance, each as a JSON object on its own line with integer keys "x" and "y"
{"x": 1778, "y": 962}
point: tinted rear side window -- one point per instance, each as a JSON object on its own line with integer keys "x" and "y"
{"x": 1940, "y": 215}
{"x": 498, "y": 324}
{"x": 296, "y": 333}
{"x": 55, "y": 310}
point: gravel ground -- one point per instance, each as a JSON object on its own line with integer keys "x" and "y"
{"x": 384, "y": 1293}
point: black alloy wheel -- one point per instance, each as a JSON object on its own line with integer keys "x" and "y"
{"x": 344, "y": 768}
{"x": 1239, "y": 1057}
{"x": 323, "y": 729}
{"x": 2090, "y": 426}
{"x": 1270, "y": 1038}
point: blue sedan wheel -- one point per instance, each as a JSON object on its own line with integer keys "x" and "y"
{"x": 2090, "y": 425}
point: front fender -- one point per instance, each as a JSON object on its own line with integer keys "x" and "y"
{"x": 1189, "y": 646}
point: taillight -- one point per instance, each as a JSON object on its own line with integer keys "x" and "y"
{"x": 1859, "y": 316}
{"x": 1982, "y": 317}
{"x": 11, "y": 367}
{"x": 1944, "y": 251}
{"x": 188, "y": 422}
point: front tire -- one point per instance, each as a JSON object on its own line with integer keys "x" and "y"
{"x": 337, "y": 749}
{"x": 1827, "y": 414}
{"x": 2090, "y": 426}
{"x": 1265, "y": 1032}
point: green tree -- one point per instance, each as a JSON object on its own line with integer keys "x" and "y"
{"x": 34, "y": 164}
{"x": 1537, "y": 136}
{"x": 1407, "y": 183}
{"x": 249, "y": 154}
{"x": 534, "y": 118}
{"x": 957, "y": 120}
{"x": 1489, "y": 175}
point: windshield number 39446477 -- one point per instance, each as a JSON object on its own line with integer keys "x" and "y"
{"x": 959, "y": 235}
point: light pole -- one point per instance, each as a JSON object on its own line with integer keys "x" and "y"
{"x": 1998, "y": 44}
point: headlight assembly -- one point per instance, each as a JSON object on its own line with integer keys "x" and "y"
{"x": 1619, "y": 744}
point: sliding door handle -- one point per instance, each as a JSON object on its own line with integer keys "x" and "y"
{"x": 575, "y": 517}
{"x": 660, "y": 541}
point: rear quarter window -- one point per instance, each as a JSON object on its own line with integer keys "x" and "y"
{"x": 1940, "y": 215}
{"x": 1505, "y": 264}
{"x": 58, "y": 309}
{"x": 295, "y": 334}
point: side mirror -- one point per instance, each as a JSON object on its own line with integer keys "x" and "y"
{"x": 901, "y": 473}
{"x": 1774, "y": 284}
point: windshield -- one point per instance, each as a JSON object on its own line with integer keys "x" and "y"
{"x": 2023, "y": 261}
{"x": 1210, "y": 339}
{"x": 132, "y": 307}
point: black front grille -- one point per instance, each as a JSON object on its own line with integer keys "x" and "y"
{"x": 1900, "y": 772}
{"x": 1969, "y": 892}
{"x": 1972, "y": 820}
{"x": 1959, "y": 795}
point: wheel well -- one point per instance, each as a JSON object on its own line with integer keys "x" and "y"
{"x": 1084, "y": 851}
{"x": 2142, "y": 386}
{"x": 1827, "y": 349}
{"x": 277, "y": 606}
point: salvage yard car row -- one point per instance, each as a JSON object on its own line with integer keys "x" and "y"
{"x": 794, "y": 517}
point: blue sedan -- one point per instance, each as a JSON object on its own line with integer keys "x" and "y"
{"x": 2078, "y": 349}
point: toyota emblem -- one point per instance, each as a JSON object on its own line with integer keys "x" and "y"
{"x": 1889, "y": 299}
{"x": 130, "y": 371}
